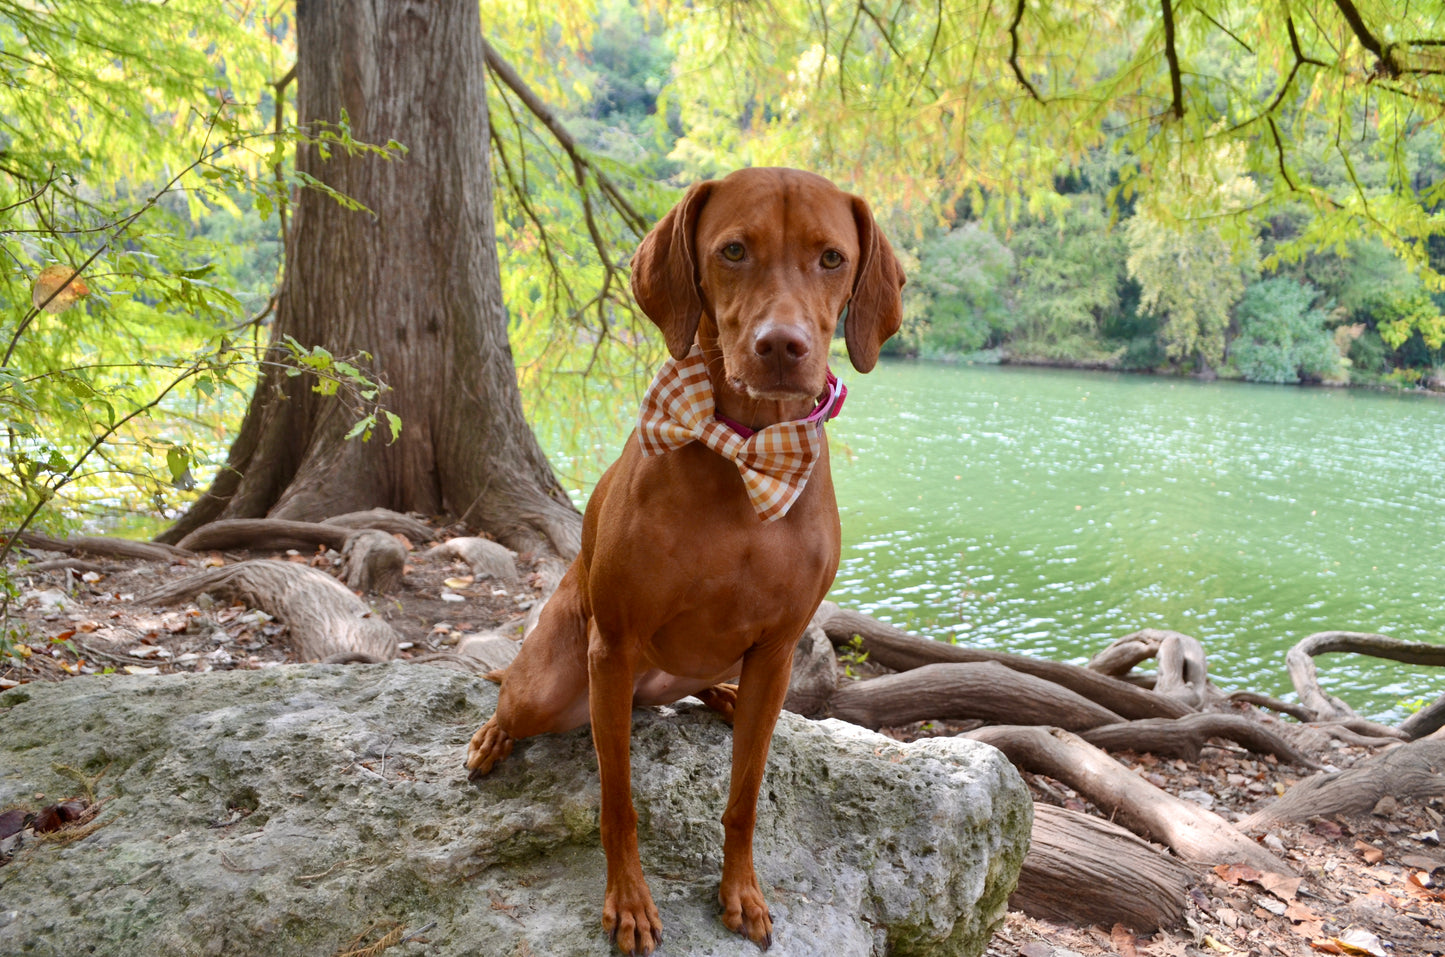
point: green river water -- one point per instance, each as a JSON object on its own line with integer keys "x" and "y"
{"x": 1049, "y": 512}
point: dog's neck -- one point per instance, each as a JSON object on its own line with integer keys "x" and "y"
{"x": 735, "y": 405}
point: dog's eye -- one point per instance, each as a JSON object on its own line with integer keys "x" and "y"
{"x": 733, "y": 252}
{"x": 832, "y": 259}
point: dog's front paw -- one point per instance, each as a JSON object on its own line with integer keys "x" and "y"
{"x": 630, "y": 918}
{"x": 488, "y": 746}
{"x": 745, "y": 911}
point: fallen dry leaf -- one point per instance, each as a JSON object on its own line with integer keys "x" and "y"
{"x": 1357, "y": 940}
{"x": 1234, "y": 873}
{"x": 1125, "y": 944}
{"x": 1036, "y": 948}
{"x": 1283, "y": 886}
{"x": 1298, "y": 912}
{"x": 1416, "y": 885}
{"x": 1327, "y": 945}
{"x": 1369, "y": 852}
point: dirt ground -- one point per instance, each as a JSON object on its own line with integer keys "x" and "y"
{"x": 1369, "y": 885}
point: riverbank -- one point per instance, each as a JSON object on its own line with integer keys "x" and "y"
{"x": 1432, "y": 384}
{"x": 1366, "y": 884}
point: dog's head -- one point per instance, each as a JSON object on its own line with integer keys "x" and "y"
{"x": 771, "y": 257}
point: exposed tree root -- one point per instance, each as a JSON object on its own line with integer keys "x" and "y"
{"x": 385, "y": 520}
{"x": 105, "y": 547}
{"x": 1427, "y": 720}
{"x": 1410, "y": 771}
{"x": 901, "y": 651}
{"x": 815, "y": 675}
{"x": 984, "y": 689}
{"x": 1301, "y": 664}
{"x": 1081, "y": 869}
{"x": 372, "y": 561}
{"x": 265, "y": 533}
{"x": 78, "y": 565}
{"x": 324, "y": 619}
{"x": 483, "y": 556}
{"x": 1194, "y": 833}
{"x": 1273, "y": 704}
{"x": 1182, "y": 670}
{"x": 1185, "y": 737}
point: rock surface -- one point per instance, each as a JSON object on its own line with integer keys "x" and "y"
{"x": 285, "y": 811}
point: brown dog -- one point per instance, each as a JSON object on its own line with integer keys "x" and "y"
{"x": 685, "y": 580}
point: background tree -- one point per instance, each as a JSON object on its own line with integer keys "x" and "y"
{"x": 413, "y": 281}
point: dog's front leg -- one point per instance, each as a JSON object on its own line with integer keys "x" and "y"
{"x": 628, "y": 913}
{"x": 761, "y": 690}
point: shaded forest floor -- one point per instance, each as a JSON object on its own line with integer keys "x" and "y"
{"x": 1370, "y": 884}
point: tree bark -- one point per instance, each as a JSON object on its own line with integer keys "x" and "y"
{"x": 265, "y": 533}
{"x": 372, "y": 561}
{"x": 1185, "y": 737}
{"x": 385, "y": 520}
{"x": 1408, "y": 772}
{"x": 982, "y": 689}
{"x": 901, "y": 651}
{"x": 1182, "y": 670}
{"x": 105, "y": 547}
{"x": 1082, "y": 870}
{"x": 412, "y": 280}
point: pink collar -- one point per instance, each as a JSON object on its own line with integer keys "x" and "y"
{"x": 827, "y": 408}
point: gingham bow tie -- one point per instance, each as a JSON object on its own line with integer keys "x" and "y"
{"x": 774, "y": 462}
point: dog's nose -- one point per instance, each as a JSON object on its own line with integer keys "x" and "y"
{"x": 782, "y": 344}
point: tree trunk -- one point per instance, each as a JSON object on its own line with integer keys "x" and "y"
{"x": 412, "y": 280}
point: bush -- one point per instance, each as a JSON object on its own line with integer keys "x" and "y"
{"x": 1282, "y": 338}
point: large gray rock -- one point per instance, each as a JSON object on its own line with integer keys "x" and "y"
{"x": 357, "y": 810}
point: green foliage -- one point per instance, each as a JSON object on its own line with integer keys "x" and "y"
{"x": 1189, "y": 278}
{"x": 165, "y": 153}
{"x": 960, "y": 286}
{"x": 925, "y": 104}
{"x": 1282, "y": 337}
{"x": 1070, "y": 273}
{"x": 852, "y": 655}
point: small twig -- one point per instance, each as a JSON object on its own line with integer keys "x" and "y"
{"x": 308, "y": 878}
{"x": 232, "y": 866}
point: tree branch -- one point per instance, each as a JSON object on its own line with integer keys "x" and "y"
{"x": 1013, "y": 53}
{"x": 503, "y": 71}
{"x": 1385, "y": 65}
{"x": 1176, "y": 82}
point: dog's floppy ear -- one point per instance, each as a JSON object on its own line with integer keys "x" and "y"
{"x": 876, "y": 310}
{"x": 664, "y": 273}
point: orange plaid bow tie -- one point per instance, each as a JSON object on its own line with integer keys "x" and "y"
{"x": 774, "y": 462}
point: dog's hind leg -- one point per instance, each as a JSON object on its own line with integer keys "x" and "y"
{"x": 545, "y": 688}
{"x": 722, "y": 698}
